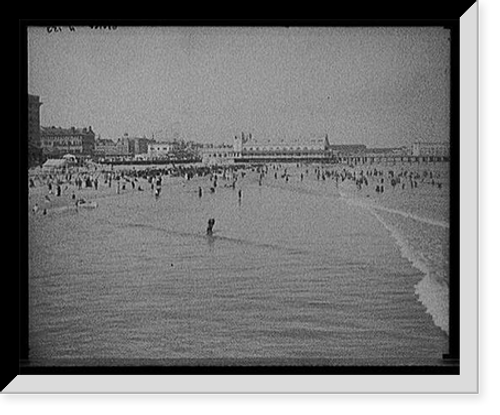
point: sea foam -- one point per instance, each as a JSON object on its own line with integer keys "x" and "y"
{"x": 432, "y": 293}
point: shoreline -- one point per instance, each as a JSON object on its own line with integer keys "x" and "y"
{"x": 421, "y": 198}
{"x": 147, "y": 250}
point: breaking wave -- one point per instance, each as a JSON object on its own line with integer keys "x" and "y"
{"x": 433, "y": 290}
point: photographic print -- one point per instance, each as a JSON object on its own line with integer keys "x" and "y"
{"x": 240, "y": 199}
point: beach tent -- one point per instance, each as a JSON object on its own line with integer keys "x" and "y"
{"x": 55, "y": 164}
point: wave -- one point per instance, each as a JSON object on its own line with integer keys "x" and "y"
{"x": 396, "y": 211}
{"x": 415, "y": 258}
{"x": 433, "y": 295}
{"x": 413, "y": 216}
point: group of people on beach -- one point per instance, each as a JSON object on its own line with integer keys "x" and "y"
{"x": 77, "y": 180}
{"x": 380, "y": 179}
{"x": 376, "y": 179}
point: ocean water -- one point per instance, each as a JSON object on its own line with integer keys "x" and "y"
{"x": 296, "y": 272}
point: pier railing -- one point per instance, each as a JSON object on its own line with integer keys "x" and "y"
{"x": 393, "y": 159}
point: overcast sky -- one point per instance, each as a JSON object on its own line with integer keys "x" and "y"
{"x": 373, "y": 86}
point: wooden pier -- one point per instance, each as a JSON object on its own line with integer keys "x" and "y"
{"x": 390, "y": 160}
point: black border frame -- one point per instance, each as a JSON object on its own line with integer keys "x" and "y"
{"x": 423, "y": 16}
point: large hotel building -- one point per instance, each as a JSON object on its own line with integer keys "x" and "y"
{"x": 34, "y": 145}
{"x": 57, "y": 141}
{"x": 247, "y": 149}
{"x": 34, "y": 120}
{"x": 432, "y": 149}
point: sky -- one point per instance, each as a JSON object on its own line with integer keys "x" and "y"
{"x": 382, "y": 87}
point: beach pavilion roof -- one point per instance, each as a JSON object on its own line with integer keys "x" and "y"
{"x": 55, "y": 163}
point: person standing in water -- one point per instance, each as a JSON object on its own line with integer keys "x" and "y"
{"x": 211, "y": 223}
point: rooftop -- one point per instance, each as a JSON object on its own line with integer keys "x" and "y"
{"x": 65, "y": 131}
{"x": 319, "y": 141}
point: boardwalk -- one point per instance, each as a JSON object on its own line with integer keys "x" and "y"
{"x": 372, "y": 159}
